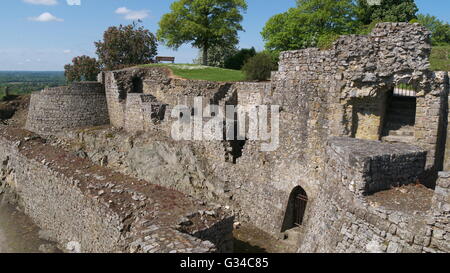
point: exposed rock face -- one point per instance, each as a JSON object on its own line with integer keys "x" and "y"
{"x": 149, "y": 156}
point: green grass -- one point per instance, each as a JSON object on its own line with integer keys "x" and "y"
{"x": 440, "y": 58}
{"x": 199, "y": 72}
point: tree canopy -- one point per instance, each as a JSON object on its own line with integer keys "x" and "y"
{"x": 126, "y": 46}
{"x": 83, "y": 68}
{"x": 318, "y": 22}
{"x": 386, "y": 11}
{"x": 203, "y": 23}
{"x": 304, "y": 25}
{"x": 440, "y": 31}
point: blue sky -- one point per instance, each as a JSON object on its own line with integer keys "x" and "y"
{"x": 43, "y": 35}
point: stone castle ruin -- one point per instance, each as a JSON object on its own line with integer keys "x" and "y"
{"x": 361, "y": 125}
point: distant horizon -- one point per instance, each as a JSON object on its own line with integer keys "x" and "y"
{"x": 42, "y": 37}
{"x": 32, "y": 71}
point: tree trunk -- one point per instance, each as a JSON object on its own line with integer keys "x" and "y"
{"x": 205, "y": 54}
{"x": 6, "y": 91}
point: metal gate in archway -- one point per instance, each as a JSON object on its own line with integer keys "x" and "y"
{"x": 301, "y": 200}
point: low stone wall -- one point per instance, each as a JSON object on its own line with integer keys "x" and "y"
{"x": 61, "y": 108}
{"x": 94, "y": 209}
{"x": 439, "y": 220}
{"x": 367, "y": 167}
{"x": 128, "y": 111}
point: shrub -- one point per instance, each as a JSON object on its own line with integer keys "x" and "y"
{"x": 259, "y": 67}
{"x": 83, "y": 68}
{"x": 238, "y": 60}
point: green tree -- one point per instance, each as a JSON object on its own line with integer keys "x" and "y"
{"x": 259, "y": 67}
{"x": 238, "y": 60}
{"x": 303, "y": 26}
{"x": 440, "y": 31}
{"x": 386, "y": 11}
{"x": 126, "y": 46}
{"x": 203, "y": 23}
{"x": 83, "y": 68}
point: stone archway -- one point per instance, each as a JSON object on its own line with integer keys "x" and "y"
{"x": 296, "y": 209}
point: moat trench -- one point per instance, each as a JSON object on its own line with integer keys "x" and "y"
{"x": 18, "y": 234}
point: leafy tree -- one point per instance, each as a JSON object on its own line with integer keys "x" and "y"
{"x": 237, "y": 60}
{"x": 203, "y": 23}
{"x": 386, "y": 11}
{"x": 303, "y": 26}
{"x": 259, "y": 67}
{"x": 83, "y": 68}
{"x": 217, "y": 55}
{"x": 126, "y": 46}
{"x": 440, "y": 31}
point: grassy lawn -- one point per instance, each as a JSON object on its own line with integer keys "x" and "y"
{"x": 199, "y": 72}
{"x": 440, "y": 58}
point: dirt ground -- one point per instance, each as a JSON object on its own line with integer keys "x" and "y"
{"x": 410, "y": 198}
{"x": 14, "y": 110}
{"x": 249, "y": 239}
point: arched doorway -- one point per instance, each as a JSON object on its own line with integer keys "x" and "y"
{"x": 296, "y": 208}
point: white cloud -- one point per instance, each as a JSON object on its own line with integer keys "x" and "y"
{"x": 67, "y": 51}
{"x": 74, "y": 2}
{"x": 42, "y": 2}
{"x": 132, "y": 14}
{"x": 122, "y": 10}
{"x": 45, "y": 17}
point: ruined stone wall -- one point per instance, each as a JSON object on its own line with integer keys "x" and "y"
{"x": 75, "y": 201}
{"x": 430, "y": 127}
{"x": 133, "y": 112}
{"x": 447, "y": 138}
{"x": 61, "y": 108}
{"x": 157, "y": 82}
{"x": 439, "y": 218}
{"x": 119, "y": 84}
{"x": 321, "y": 93}
{"x": 394, "y": 221}
{"x": 336, "y": 92}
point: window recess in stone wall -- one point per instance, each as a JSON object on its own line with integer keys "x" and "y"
{"x": 400, "y": 115}
{"x": 137, "y": 85}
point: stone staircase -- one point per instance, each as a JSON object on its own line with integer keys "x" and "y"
{"x": 400, "y": 119}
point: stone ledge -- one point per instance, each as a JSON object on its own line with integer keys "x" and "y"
{"x": 368, "y": 167}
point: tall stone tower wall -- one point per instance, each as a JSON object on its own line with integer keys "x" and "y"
{"x": 68, "y": 107}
